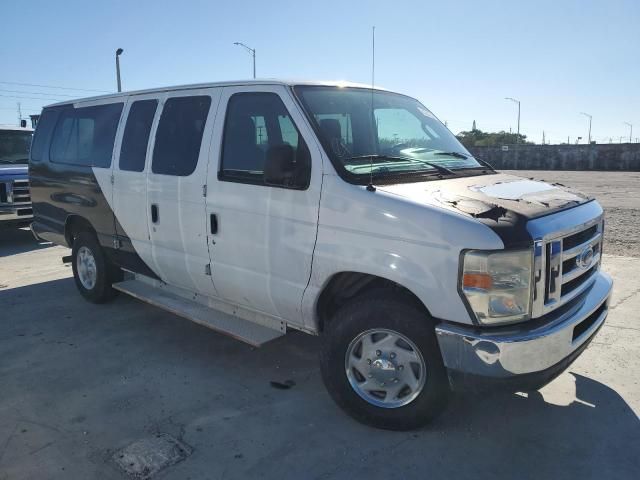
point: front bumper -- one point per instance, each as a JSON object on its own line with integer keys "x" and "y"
{"x": 526, "y": 356}
{"x": 16, "y": 214}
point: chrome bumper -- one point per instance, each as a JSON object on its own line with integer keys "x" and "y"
{"x": 544, "y": 347}
{"x": 11, "y": 214}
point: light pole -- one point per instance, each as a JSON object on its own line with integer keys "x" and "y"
{"x": 518, "y": 102}
{"x": 630, "y": 130}
{"x": 118, "y": 53}
{"x": 590, "y": 117}
{"x": 252, "y": 51}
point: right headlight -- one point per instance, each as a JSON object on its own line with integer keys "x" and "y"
{"x": 497, "y": 285}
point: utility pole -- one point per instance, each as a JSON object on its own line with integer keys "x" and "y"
{"x": 252, "y": 51}
{"x": 518, "y": 102}
{"x": 630, "y": 130}
{"x": 118, "y": 53}
{"x": 19, "y": 114}
{"x": 543, "y": 137}
{"x": 590, "y": 117}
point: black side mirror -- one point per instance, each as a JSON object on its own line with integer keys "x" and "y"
{"x": 282, "y": 170}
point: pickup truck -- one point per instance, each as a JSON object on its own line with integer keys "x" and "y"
{"x": 15, "y": 197}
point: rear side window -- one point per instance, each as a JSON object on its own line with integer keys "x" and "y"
{"x": 85, "y": 136}
{"x": 42, "y": 137}
{"x": 136, "y": 135}
{"x": 255, "y": 124}
{"x": 179, "y": 135}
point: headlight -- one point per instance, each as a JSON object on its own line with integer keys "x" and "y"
{"x": 497, "y": 285}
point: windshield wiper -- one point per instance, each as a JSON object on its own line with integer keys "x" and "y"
{"x": 439, "y": 168}
{"x": 464, "y": 155}
{"x": 453, "y": 154}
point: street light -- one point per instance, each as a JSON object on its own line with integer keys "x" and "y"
{"x": 518, "y": 102}
{"x": 590, "y": 117}
{"x": 630, "y": 130}
{"x": 252, "y": 51}
{"x": 118, "y": 53}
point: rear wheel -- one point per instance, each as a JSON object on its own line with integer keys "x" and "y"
{"x": 92, "y": 271}
{"x": 381, "y": 363}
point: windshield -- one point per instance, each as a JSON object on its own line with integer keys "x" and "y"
{"x": 14, "y": 147}
{"x": 381, "y": 133}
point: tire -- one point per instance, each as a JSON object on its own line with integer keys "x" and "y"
{"x": 387, "y": 314}
{"x": 92, "y": 271}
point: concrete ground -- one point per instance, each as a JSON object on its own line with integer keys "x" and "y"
{"x": 79, "y": 382}
{"x": 617, "y": 192}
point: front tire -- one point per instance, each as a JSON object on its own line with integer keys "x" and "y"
{"x": 92, "y": 271}
{"x": 381, "y": 363}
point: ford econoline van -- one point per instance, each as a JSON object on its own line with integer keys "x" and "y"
{"x": 336, "y": 209}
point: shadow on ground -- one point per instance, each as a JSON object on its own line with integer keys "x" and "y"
{"x": 80, "y": 381}
{"x": 14, "y": 240}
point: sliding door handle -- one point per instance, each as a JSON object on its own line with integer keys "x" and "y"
{"x": 154, "y": 213}
{"x": 214, "y": 223}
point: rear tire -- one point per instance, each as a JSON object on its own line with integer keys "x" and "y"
{"x": 381, "y": 363}
{"x": 92, "y": 271}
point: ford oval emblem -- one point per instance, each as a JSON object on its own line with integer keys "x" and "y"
{"x": 585, "y": 258}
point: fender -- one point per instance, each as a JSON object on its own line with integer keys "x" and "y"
{"x": 412, "y": 244}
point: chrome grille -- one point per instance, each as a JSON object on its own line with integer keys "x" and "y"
{"x": 21, "y": 193}
{"x": 15, "y": 193}
{"x": 565, "y": 264}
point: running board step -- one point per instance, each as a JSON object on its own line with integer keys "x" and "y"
{"x": 236, "y": 327}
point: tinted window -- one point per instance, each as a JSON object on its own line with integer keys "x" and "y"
{"x": 85, "y": 136}
{"x": 136, "y": 135}
{"x": 255, "y": 124}
{"x": 179, "y": 135}
{"x": 44, "y": 129}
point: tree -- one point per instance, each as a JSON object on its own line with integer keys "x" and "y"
{"x": 478, "y": 138}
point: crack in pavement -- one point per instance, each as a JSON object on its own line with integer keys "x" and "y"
{"x": 624, "y": 299}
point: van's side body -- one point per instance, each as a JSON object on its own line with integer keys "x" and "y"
{"x": 297, "y": 251}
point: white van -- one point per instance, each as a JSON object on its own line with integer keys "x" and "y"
{"x": 340, "y": 210}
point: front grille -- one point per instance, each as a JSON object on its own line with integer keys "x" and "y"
{"x": 21, "y": 193}
{"x": 564, "y": 266}
{"x": 15, "y": 192}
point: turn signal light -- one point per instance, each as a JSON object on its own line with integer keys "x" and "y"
{"x": 477, "y": 280}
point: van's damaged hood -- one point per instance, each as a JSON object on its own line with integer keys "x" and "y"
{"x": 503, "y": 202}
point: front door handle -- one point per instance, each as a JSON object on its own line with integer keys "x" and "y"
{"x": 154, "y": 213}
{"x": 214, "y": 223}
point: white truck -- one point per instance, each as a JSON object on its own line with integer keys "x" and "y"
{"x": 344, "y": 211}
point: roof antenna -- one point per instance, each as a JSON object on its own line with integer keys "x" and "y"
{"x": 370, "y": 187}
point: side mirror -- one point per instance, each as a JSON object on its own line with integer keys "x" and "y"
{"x": 282, "y": 170}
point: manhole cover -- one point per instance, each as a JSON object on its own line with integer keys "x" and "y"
{"x": 146, "y": 457}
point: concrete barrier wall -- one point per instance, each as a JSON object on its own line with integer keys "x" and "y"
{"x": 618, "y": 156}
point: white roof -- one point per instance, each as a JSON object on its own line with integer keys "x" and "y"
{"x": 15, "y": 128}
{"x": 218, "y": 84}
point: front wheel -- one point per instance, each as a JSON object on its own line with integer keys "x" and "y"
{"x": 92, "y": 271}
{"x": 381, "y": 363}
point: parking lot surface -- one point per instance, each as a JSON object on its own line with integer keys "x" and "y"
{"x": 79, "y": 382}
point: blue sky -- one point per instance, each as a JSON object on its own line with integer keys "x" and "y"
{"x": 459, "y": 58}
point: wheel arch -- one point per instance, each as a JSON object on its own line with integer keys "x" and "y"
{"x": 344, "y": 286}
{"x": 73, "y": 225}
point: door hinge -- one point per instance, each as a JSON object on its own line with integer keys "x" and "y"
{"x": 117, "y": 243}
{"x": 204, "y": 190}
{"x": 207, "y": 269}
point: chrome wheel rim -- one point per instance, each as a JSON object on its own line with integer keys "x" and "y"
{"x": 86, "y": 267}
{"x": 385, "y": 368}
